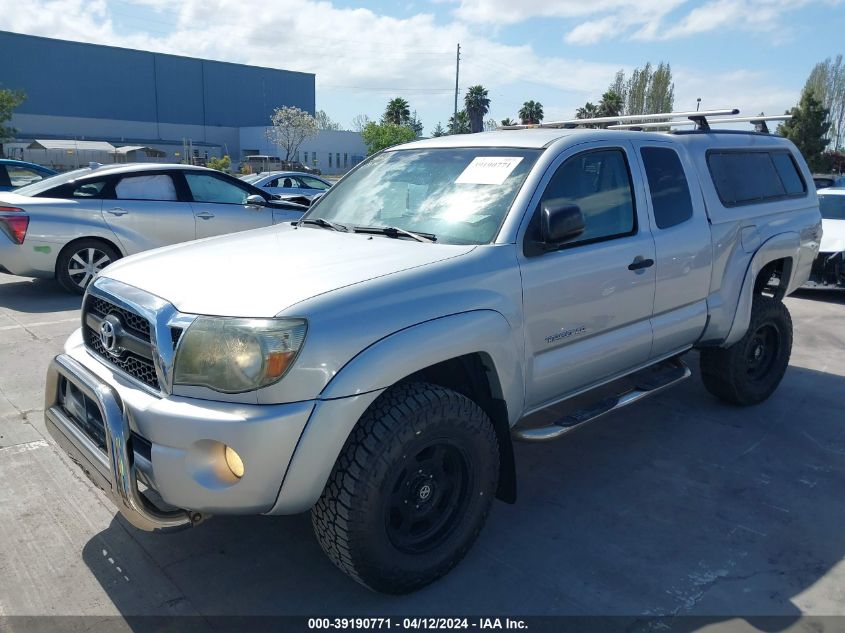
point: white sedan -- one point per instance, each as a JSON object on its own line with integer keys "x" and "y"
{"x": 829, "y": 266}
{"x": 287, "y": 183}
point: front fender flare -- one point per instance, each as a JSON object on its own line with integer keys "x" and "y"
{"x": 384, "y": 363}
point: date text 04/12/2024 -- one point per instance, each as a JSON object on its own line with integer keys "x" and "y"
{"x": 429, "y": 623}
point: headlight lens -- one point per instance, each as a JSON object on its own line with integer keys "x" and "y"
{"x": 236, "y": 355}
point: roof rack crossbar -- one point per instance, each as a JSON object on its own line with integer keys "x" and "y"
{"x": 759, "y": 123}
{"x": 572, "y": 123}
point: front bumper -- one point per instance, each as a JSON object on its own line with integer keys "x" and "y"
{"x": 828, "y": 271}
{"x": 172, "y": 445}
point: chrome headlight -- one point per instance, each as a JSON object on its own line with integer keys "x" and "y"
{"x": 234, "y": 355}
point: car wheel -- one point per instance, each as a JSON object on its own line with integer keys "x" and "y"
{"x": 410, "y": 490}
{"x": 751, "y": 369}
{"x": 80, "y": 261}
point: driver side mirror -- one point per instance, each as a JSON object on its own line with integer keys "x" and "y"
{"x": 560, "y": 223}
{"x": 254, "y": 200}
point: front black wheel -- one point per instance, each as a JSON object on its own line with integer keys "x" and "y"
{"x": 411, "y": 489}
{"x": 751, "y": 369}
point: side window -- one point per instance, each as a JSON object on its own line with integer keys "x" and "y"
{"x": 599, "y": 183}
{"x": 271, "y": 183}
{"x": 87, "y": 190}
{"x": 748, "y": 177}
{"x": 668, "y": 185}
{"x": 4, "y": 177}
{"x": 313, "y": 183}
{"x": 21, "y": 176}
{"x": 150, "y": 187}
{"x": 207, "y": 188}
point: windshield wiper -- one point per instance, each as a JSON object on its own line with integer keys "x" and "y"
{"x": 324, "y": 223}
{"x": 395, "y": 231}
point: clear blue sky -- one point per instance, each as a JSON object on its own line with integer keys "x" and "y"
{"x": 751, "y": 54}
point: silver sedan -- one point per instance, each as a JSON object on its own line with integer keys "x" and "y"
{"x": 73, "y": 225}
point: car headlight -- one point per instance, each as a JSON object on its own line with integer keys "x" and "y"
{"x": 234, "y": 355}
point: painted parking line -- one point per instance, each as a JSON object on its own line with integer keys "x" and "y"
{"x": 40, "y": 323}
{"x": 22, "y": 448}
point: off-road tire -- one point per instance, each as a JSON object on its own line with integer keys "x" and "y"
{"x": 84, "y": 246}
{"x": 729, "y": 374}
{"x": 354, "y": 517}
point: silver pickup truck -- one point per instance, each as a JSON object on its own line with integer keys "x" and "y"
{"x": 373, "y": 361}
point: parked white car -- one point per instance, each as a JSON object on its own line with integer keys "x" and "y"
{"x": 285, "y": 183}
{"x": 829, "y": 267}
{"x": 73, "y": 225}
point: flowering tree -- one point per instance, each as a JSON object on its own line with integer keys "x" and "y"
{"x": 291, "y": 126}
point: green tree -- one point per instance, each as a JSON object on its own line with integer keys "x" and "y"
{"x": 397, "y": 112}
{"x": 476, "y": 105}
{"x": 531, "y": 112}
{"x": 808, "y": 129}
{"x": 649, "y": 90}
{"x": 827, "y": 83}
{"x": 508, "y": 121}
{"x": 220, "y": 164}
{"x": 324, "y": 122}
{"x": 415, "y": 124}
{"x": 611, "y": 104}
{"x": 290, "y": 127}
{"x": 9, "y": 100}
{"x": 438, "y": 130}
{"x": 587, "y": 111}
{"x": 461, "y": 126}
{"x": 378, "y": 136}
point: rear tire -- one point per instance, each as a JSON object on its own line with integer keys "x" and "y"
{"x": 80, "y": 261}
{"x": 411, "y": 489}
{"x": 751, "y": 369}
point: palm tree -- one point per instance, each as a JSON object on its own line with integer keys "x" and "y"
{"x": 476, "y": 105}
{"x": 611, "y": 104}
{"x": 462, "y": 126}
{"x": 587, "y": 111}
{"x": 508, "y": 121}
{"x": 397, "y": 112}
{"x": 531, "y": 112}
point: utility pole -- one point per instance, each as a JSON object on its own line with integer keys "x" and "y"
{"x": 457, "y": 72}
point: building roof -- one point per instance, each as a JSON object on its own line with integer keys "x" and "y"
{"x": 97, "y": 146}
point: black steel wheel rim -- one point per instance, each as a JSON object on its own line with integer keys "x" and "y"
{"x": 763, "y": 351}
{"x": 428, "y": 496}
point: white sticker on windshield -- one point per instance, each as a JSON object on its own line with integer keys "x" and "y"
{"x": 488, "y": 170}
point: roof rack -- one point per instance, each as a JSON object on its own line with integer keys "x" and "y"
{"x": 697, "y": 117}
{"x": 759, "y": 123}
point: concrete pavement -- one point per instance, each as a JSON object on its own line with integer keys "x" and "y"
{"x": 678, "y": 505}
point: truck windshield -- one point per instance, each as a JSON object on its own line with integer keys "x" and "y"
{"x": 460, "y": 195}
{"x": 832, "y": 207}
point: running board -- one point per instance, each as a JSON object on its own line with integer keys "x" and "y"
{"x": 668, "y": 373}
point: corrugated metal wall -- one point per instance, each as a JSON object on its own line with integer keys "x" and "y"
{"x": 71, "y": 79}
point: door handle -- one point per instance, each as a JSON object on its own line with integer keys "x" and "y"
{"x": 640, "y": 263}
{"x": 117, "y": 211}
{"x": 205, "y": 215}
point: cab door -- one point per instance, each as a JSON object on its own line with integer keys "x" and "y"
{"x": 588, "y": 305}
{"x": 683, "y": 247}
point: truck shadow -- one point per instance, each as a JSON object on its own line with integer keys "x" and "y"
{"x": 36, "y": 295}
{"x": 828, "y": 296}
{"x": 679, "y": 506}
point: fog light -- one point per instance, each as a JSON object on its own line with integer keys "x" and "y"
{"x": 234, "y": 462}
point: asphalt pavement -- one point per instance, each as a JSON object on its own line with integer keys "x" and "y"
{"x": 679, "y": 505}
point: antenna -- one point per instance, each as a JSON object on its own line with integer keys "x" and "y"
{"x": 698, "y": 117}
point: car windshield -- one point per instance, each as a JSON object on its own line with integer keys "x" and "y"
{"x": 460, "y": 195}
{"x": 53, "y": 181}
{"x": 832, "y": 207}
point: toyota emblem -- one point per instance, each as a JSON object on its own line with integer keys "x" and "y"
{"x": 108, "y": 336}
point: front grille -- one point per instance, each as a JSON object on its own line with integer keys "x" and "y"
{"x": 138, "y": 363}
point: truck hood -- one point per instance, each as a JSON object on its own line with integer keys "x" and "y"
{"x": 833, "y": 236}
{"x": 260, "y": 273}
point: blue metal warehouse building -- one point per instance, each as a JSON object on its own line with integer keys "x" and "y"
{"x": 129, "y": 97}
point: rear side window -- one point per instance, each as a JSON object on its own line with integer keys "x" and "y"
{"x": 747, "y": 177}
{"x": 152, "y": 187}
{"x": 667, "y": 182}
